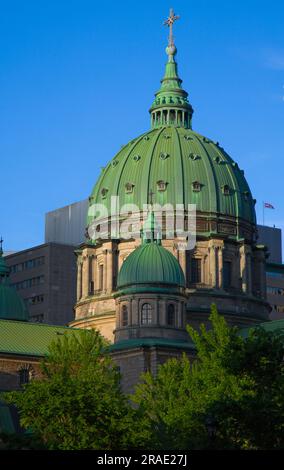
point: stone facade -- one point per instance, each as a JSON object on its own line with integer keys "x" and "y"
{"x": 240, "y": 296}
{"x": 132, "y": 362}
{"x": 129, "y": 320}
{"x": 16, "y": 370}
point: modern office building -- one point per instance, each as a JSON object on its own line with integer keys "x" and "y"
{"x": 45, "y": 277}
{"x": 275, "y": 289}
{"x": 272, "y": 238}
{"x": 67, "y": 224}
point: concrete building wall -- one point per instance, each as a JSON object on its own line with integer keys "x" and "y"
{"x": 271, "y": 237}
{"x": 275, "y": 290}
{"x": 45, "y": 277}
{"x": 67, "y": 224}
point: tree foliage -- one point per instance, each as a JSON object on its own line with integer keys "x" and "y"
{"x": 231, "y": 396}
{"x": 78, "y": 403}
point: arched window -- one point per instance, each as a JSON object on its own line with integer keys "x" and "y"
{"x": 124, "y": 316}
{"x": 171, "y": 315}
{"x": 24, "y": 375}
{"x": 195, "y": 270}
{"x": 146, "y": 314}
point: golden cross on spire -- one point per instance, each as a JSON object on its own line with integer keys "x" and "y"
{"x": 169, "y": 22}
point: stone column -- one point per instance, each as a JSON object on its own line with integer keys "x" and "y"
{"x": 245, "y": 266}
{"x": 105, "y": 271}
{"x": 95, "y": 272}
{"x": 91, "y": 274}
{"x": 182, "y": 257}
{"x": 79, "y": 279}
{"x": 220, "y": 267}
{"x": 212, "y": 264}
{"x": 205, "y": 271}
{"x": 134, "y": 312}
{"x": 109, "y": 264}
{"x": 243, "y": 270}
{"x": 85, "y": 277}
{"x": 118, "y": 313}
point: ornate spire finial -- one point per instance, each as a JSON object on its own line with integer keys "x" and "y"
{"x": 171, "y": 106}
{"x": 170, "y": 22}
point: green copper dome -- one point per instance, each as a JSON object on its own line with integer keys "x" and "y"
{"x": 194, "y": 170}
{"x": 151, "y": 267}
{"x": 179, "y": 166}
{"x": 12, "y": 306}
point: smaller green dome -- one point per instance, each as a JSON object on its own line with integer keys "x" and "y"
{"x": 150, "y": 267}
{"x": 12, "y": 306}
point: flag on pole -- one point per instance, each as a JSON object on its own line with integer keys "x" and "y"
{"x": 267, "y": 205}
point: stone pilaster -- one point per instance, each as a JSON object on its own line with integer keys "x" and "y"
{"x": 212, "y": 264}
{"x": 134, "y": 312}
{"x": 105, "y": 270}
{"x": 220, "y": 267}
{"x": 109, "y": 276}
{"x": 79, "y": 279}
{"x": 85, "y": 276}
{"x": 245, "y": 267}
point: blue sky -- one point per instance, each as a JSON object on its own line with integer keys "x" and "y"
{"x": 77, "y": 79}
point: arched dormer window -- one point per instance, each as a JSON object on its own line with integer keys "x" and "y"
{"x": 196, "y": 186}
{"x": 124, "y": 316}
{"x": 226, "y": 189}
{"x": 129, "y": 188}
{"x": 104, "y": 192}
{"x": 161, "y": 185}
{"x": 146, "y": 314}
{"x": 171, "y": 315}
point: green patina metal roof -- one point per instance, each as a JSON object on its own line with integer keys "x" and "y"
{"x": 171, "y": 96}
{"x": 12, "y": 306}
{"x": 177, "y": 156}
{"x": 150, "y": 266}
{"x": 275, "y": 325}
{"x": 272, "y": 326}
{"x": 151, "y": 342}
{"x": 31, "y": 339}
